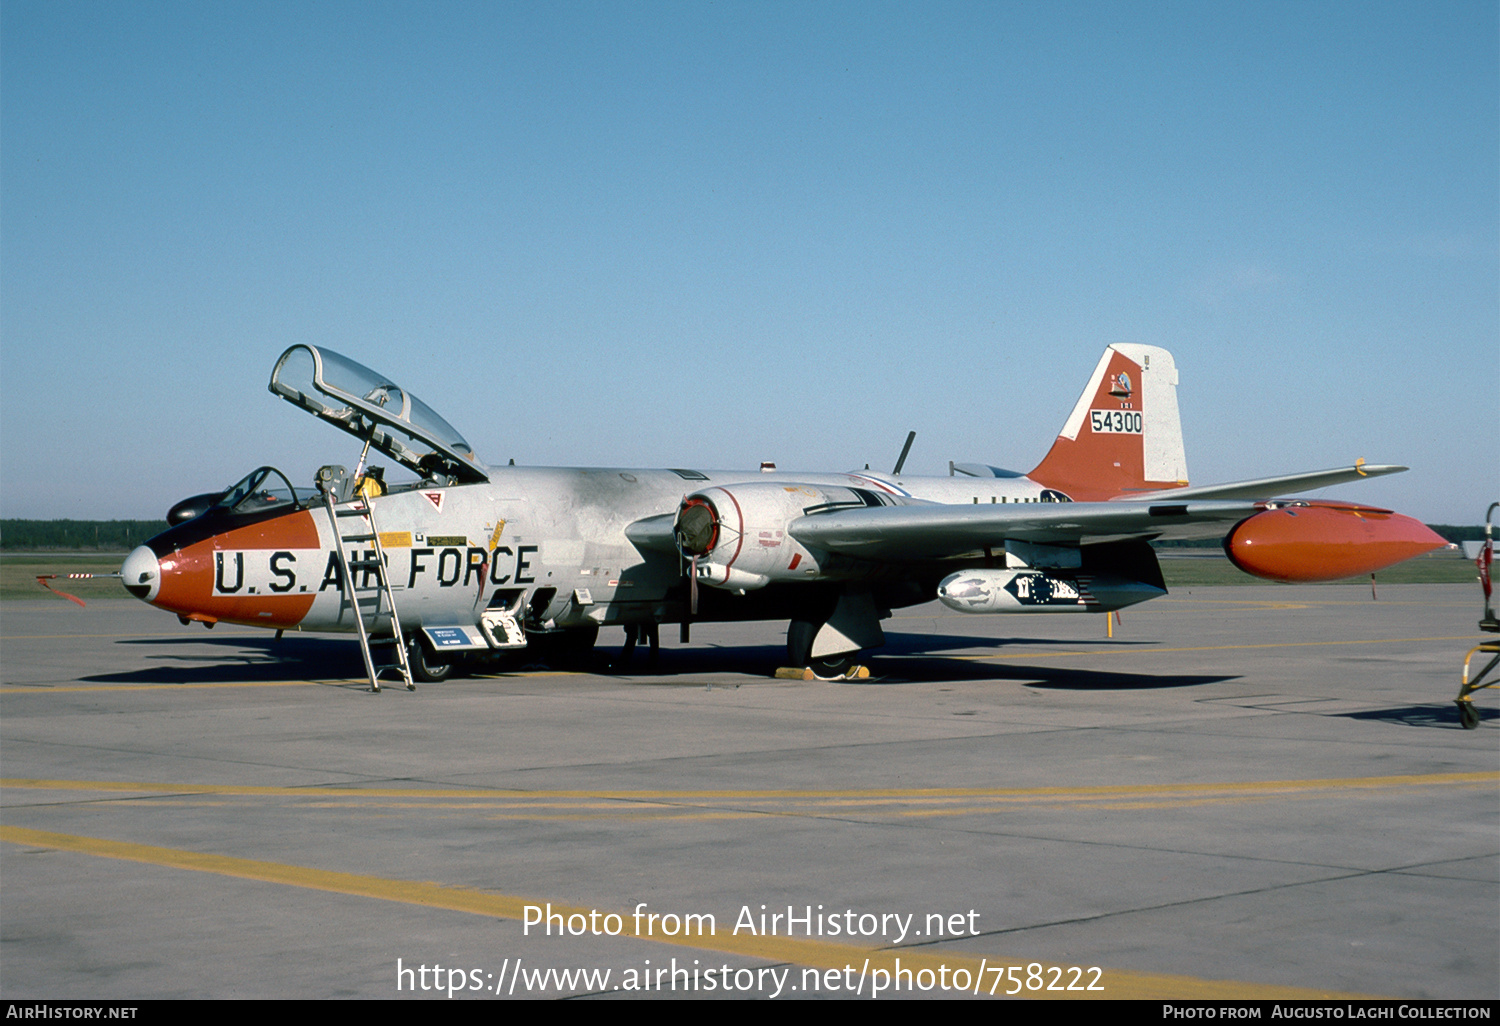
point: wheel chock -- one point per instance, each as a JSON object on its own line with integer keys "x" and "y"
{"x": 806, "y": 673}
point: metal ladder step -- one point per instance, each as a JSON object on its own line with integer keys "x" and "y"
{"x": 351, "y": 594}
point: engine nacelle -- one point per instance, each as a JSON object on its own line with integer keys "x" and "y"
{"x": 1037, "y": 591}
{"x": 1310, "y": 542}
{"x": 738, "y": 533}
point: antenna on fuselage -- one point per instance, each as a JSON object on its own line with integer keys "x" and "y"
{"x": 912, "y": 437}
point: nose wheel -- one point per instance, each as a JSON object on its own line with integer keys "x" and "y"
{"x": 426, "y": 666}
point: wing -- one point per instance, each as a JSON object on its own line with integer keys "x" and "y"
{"x": 1317, "y": 540}
{"x": 736, "y": 534}
{"x": 1269, "y": 487}
{"x": 925, "y": 532}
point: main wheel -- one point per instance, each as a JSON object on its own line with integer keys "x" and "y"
{"x": 833, "y": 666}
{"x": 427, "y": 666}
{"x": 799, "y": 643}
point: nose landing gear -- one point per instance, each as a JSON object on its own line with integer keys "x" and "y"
{"x": 427, "y": 666}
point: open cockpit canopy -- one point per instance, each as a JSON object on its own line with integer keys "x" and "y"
{"x": 371, "y": 408}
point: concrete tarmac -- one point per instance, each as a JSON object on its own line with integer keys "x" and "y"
{"x": 1248, "y": 792}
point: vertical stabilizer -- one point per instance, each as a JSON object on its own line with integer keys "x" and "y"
{"x": 1124, "y": 435}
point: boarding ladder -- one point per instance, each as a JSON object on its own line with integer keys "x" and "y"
{"x": 363, "y": 508}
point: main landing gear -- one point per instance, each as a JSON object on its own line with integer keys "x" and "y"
{"x": 799, "y": 645}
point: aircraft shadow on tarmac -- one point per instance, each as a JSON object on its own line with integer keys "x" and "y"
{"x": 909, "y": 644}
{"x": 1063, "y": 678}
{"x": 240, "y": 659}
{"x": 916, "y": 659}
{"x": 919, "y": 658}
{"x": 1445, "y": 716}
{"x": 905, "y": 659}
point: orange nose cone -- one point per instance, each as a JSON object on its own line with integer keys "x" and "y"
{"x": 1308, "y": 544}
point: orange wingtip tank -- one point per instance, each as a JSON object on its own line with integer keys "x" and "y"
{"x": 1326, "y": 541}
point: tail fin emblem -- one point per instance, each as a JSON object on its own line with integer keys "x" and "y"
{"x": 1120, "y": 386}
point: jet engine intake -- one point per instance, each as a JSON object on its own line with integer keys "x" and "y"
{"x": 738, "y": 536}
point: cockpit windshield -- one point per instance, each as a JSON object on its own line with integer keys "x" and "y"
{"x": 262, "y": 488}
{"x": 373, "y": 409}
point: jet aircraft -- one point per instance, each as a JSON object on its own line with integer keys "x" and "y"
{"x": 464, "y": 560}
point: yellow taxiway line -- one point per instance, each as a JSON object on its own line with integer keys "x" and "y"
{"x": 1013, "y": 793}
{"x": 865, "y": 804}
{"x": 811, "y": 953}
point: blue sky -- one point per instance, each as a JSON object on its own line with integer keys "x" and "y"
{"x": 647, "y": 234}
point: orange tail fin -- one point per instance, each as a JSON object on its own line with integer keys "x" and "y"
{"x": 1124, "y": 436}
